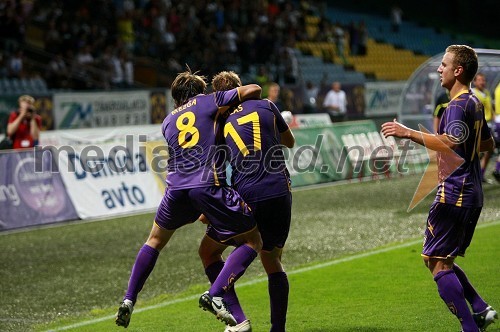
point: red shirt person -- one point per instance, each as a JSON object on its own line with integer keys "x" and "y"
{"x": 24, "y": 124}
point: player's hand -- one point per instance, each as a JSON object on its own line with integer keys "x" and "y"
{"x": 22, "y": 112}
{"x": 395, "y": 129}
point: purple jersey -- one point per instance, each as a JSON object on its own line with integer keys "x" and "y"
{"x": 464, "y": 120}
{"x": 252, "y": 133}
{"x": 190, "y": 132}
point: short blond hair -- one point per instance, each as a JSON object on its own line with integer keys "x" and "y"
{"x": 27, "y": 98}
{"x": 226, "y": 80}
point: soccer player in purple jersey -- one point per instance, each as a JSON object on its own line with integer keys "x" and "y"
{"x": 455, "y": 211}
{"x": 194, "y": 188}
{"x": 253, "y": 133}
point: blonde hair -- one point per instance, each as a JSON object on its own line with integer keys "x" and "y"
{"x": 26, "y": 98}
{"x": 226, "y": 80}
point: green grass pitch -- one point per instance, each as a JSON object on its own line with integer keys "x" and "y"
{"x": 352, "y": 257}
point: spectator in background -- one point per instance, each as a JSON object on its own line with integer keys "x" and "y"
{"x": 335, "y": 103}
{"x": 353, "y": 32}
{"x": 484, "y": 96}
{"x": 128, "y": 69}
{"x": 24, "y": 124}
{"x": 363, "y": 38}
{"x": 82, "y": 66}
{"x": 311, "y": 95}
{"x": 273, "y": 94}
{"x": 3, "y": 66}
{"x": 57, "y": 72}
{"x": 396, "y": 18}
{"x": 16, "y": 64}
{"x": 291, "y": 64}
{"x": 441, "y": 104}
{"x": 339, "y": 36}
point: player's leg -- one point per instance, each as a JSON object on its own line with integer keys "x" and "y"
{"x": 451, "y": 291}
{"x": 249, "y": 245}
{"x": 485, "y": 158}
{"x": 273, "y": 217}
{"x": 210, "y": 252}
{"x": 496, "y": 135}
{"x": 173, "y": 212}
{"x": 483, "y": 314}
{"x": 146, "y": 260}
{"x": 444, "y": 237}
{"x": 235, "y": 266}
{"x": 231, "y": 217}
{"x": 278, "y": 288}
{"x": 142, "y": 268}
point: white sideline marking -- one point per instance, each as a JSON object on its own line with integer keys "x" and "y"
{"x": 262, "y": 279}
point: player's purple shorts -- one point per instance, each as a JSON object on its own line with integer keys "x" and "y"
{"x": 223, "y": 206}
{"x": 273, "y": 219}
{"x": 449, "y": 230}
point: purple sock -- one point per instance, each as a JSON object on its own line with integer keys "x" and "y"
{"x": 278, "y": 294}
{"x": 236, "y": 264}
{"x": 452, "y": 293}
{"x": 212, "y": 271}
{"x": 144, "y": 264}
{"x": 471, "y": 295}
{"x": 497, "y": 166}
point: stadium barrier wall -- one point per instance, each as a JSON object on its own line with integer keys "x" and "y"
{"x": 99, "y": 172}
{"x": 349, "y": 150}
{"x": 30, "y": 198}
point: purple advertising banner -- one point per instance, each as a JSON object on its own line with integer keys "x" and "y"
{"x": 29, "y": 198}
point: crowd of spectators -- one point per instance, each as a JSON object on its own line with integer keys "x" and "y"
{"x": 94, "y": 44}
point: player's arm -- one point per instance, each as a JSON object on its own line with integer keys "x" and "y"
{"x": 434, "y": 142}
{"x": 287, "y": 138}
{"x": 250, "y": 91}
{"x": 487, "y": 145}
{"x": 35, "y": 126}
{"x": 15, "y": 121}
{"x": 286, "y": 135}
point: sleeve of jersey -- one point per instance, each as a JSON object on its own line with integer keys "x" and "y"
{"x": 280, "y": 122}
{"x": 485, "y": 131}
{"x": 227, "y": 98}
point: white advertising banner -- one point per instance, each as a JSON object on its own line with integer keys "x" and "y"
{"x": 101, "y": 109}
{"x": 383, "y": 98}
{"x": 108, "y": 179}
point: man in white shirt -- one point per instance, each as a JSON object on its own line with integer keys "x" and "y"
{"x": 335, "y": 102}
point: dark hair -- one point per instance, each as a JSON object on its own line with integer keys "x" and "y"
{"x": 466, "y": 57}
{"x": 226, "y": 80}
{"x": 187, "y": 85}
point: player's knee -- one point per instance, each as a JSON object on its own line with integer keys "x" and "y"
{"x": 271, "y": 262}
{"x": 259, "y": 244}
